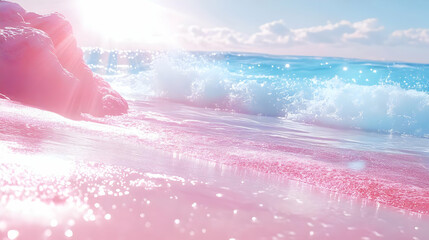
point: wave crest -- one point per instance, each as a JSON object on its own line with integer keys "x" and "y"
{"x": 334, "y": 100}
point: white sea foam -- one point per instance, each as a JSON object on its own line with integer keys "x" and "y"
{"x": 334, "y": 101}
{"x": 379, "y": 108}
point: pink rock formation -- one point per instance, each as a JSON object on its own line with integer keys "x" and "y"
{"x": 41, "y": 65}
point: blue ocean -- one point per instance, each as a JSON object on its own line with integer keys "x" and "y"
{"x": 372, "y": 96}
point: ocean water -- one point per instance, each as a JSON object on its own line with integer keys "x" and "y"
{"x": 347, "y": 93}
{"x": 225, "y": 146}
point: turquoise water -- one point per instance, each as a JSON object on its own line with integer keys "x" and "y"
{"x": 384, "y": 97}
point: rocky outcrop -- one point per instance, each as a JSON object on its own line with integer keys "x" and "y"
{"x": 41, "y": 66}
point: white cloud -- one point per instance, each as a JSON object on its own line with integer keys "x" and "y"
{"x": 219, "y": 37}
{"x": 329, "y": 33}
{"x": 366, "y": 31}
{"x": 366, "y": 38}
{"x": 411, "y": 36}
{"x": 277, "y": 33}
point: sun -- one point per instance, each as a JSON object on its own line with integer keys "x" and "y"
{"x": 125, "y": 20}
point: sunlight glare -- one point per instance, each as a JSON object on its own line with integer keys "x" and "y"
{"x": 125, "y": 20}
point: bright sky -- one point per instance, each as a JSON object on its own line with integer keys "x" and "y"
{"x": 372, "y": 29}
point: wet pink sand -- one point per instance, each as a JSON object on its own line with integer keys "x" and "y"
{"x": 171, "y": 174}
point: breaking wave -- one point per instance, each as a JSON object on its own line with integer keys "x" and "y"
{"x": 345, "y": 93}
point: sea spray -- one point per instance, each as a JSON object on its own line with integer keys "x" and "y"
{"x": 346, "y": 93}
